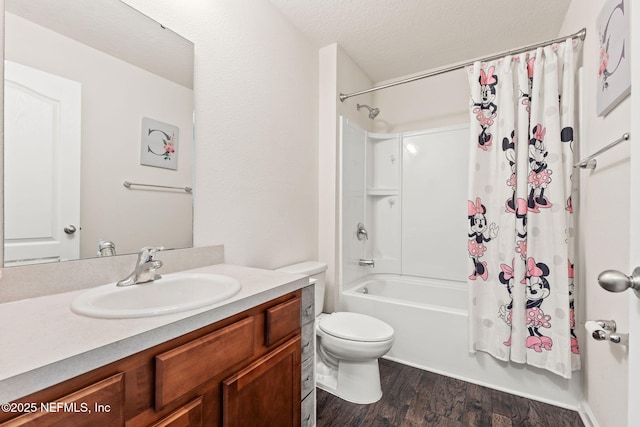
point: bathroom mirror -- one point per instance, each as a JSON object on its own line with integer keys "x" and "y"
{"x": 96, "y": 94}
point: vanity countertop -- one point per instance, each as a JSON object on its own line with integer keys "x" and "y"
{"x": 44, "y": 342}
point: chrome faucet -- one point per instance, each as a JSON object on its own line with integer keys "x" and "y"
{"x": 145, "y": 269}
{"x": 106, "y": 248}
{"x": 367, "y": 263}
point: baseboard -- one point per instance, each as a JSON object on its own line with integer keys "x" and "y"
{"x": 586, "y": 414}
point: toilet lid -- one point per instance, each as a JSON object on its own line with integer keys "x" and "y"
{"x": 356, "y": 327}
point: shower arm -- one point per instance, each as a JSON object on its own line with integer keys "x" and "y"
{"x": 373, "y": 112}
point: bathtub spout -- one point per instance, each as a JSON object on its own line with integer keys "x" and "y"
{"x": 366, "y": 263}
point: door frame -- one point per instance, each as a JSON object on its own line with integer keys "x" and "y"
{"x": 633, "y": 411}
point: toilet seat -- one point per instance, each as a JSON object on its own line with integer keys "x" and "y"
{"x": 356, "y": 327}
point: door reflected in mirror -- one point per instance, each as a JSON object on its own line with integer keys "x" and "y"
{"x": 79, "y": 79}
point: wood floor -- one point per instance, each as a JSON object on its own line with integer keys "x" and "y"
{"x": 413, "y": 397}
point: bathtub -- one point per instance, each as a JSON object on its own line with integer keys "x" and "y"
{"x": 429, "y": 317}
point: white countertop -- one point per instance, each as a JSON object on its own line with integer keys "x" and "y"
{"x": 43, "y": 342}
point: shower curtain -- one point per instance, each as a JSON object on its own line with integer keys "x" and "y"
{"x": 520, "y": 237}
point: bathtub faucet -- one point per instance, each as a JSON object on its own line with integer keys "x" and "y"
{"x": 366, "y": 263}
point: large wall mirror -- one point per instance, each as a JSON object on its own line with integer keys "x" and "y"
{"x": 96, "y": 94}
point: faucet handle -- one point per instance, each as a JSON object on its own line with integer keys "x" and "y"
{"x": 146, "y": 253}
{"x": 361, "y": 233}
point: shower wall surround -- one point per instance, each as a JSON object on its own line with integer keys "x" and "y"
{"x": 384, "y": 200}
{"x": 409, "y": 190}
{"x": 434, "y": 188}
{"x": 352, "y": 200}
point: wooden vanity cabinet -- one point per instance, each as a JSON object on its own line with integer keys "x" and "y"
{"x": 243, "y": 370}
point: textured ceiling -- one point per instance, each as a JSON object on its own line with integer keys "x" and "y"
{"x": 393, "y": 38}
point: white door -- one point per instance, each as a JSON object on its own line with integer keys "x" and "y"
{"x": 41, "y": 165}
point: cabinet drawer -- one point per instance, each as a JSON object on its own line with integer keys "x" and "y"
{"x": 309, "y": 410}
{"x": 308, "y": 314}
{"x": 282, "y": 320}
{"x": 100, "y": 404}
{"x": 307, "y": 382}
{"x": 188, "y": 366}
{"x": 189, "y": 415}
{"x": 308, "y": 340}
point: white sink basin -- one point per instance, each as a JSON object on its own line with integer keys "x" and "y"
{"x": 171, "y": 294}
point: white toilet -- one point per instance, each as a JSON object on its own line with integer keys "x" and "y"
{"x": 348, "y": 345}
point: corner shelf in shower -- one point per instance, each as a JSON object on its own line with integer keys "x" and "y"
{"x": 375, "y": 137}
{"x": 383, "y": 191}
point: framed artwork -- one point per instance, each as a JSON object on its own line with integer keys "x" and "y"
{"x": 159, "y": 144}
{"x": 614, "y": 71}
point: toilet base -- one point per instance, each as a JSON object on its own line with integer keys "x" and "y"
{"x": 355, "y": 382}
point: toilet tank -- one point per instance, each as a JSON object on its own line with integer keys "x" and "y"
{"x": 315, "y": 270}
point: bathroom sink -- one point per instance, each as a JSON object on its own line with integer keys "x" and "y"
{"x": 172, "y": 293}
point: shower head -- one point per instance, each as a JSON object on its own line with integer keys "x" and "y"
{"x": 373, "y": 112}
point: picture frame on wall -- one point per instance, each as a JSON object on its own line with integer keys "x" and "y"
{"x": 614, "y": 70}
{"x": 159, "y": 144}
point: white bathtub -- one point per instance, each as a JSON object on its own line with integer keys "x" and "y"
{"x": 429, "y": 317}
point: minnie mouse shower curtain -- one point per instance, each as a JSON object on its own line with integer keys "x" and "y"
{"x": 523, "y": 116}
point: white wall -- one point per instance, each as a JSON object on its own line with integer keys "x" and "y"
{"x": 327, "y": 170}
{"x": 115, "y": 96}
{"x": 603, "y": 230}
{"x": 424, "y": 104}
{"x": 256, "y": 102}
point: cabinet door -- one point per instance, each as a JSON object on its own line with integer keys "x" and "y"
{"x": 267, "y": 392}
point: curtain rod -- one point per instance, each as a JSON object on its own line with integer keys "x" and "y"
{"x": 581, "y": 34}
